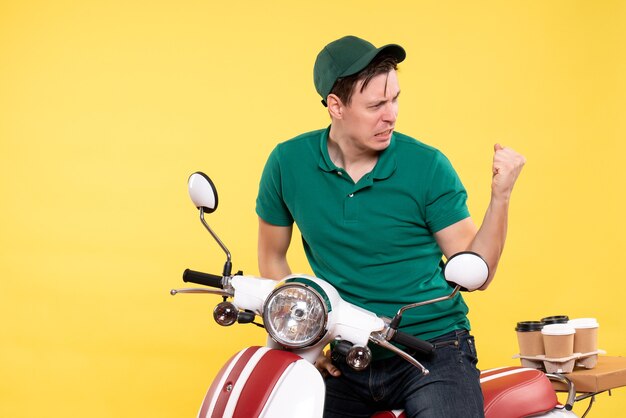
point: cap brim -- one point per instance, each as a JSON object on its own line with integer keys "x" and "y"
{"x": 393, "y": 50}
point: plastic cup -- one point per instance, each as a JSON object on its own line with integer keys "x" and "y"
{"x": 586, "y": 337}
{"x": 558, "y": 340}
{"x": 529, "y": 338}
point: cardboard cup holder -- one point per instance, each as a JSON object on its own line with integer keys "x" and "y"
{"x": 562, "y": 364}
{"x": 557, "y": 344}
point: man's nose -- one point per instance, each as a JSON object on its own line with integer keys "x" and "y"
{"x": 390, "y": 113}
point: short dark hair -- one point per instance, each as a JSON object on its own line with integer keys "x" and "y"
{"x": 344, "y": 87}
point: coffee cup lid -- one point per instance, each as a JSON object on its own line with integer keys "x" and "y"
{"x": 557, "y": 319}
{"x": 584, "y": 323}
{"x": 558, "y": 329}
{"x": 529, "y": 326}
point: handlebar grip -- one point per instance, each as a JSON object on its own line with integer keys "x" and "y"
{"x": 205, "y": 279}
{"x": 415, "y": 343}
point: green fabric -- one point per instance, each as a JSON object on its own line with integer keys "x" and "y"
{"x": 372, "y": 240}
{"x": 347, "y": 56}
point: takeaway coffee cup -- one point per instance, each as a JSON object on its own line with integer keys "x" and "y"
{"x": 586, "y": 337}
{"x": 529, "y": 338}
{"x": 558, "y": 340}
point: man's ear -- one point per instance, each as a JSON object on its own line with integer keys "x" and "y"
{"x": 335, "y": 106}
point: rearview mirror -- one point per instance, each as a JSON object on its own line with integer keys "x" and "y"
{"x": 466, "y": 269}
{"x": 202, "y": 192}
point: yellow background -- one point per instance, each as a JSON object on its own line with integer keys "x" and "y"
{"x": 107, "y": 106}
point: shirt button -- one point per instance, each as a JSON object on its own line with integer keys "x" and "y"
{"x": 340, "y": 173}
{"x": 351, "y": 195}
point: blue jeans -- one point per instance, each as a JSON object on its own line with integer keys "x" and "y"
{"x": 452, "y": 389}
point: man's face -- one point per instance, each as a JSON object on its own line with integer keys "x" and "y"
{"x": 370, "y": 117}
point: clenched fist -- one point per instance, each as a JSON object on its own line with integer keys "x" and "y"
{"x": 507, "y": 166}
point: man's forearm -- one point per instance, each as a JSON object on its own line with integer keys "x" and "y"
{"x": 273, "y": 267}
{"x": 272, "y": 250}
{"x": 491, "y": 236}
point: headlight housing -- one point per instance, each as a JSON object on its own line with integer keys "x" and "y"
{"x": 296, "y": 313}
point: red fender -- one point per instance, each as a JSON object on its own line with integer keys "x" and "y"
{"x": 262, "y": 381}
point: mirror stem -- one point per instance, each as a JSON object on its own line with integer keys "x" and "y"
{"x": 395, "y": 322}
{"x": 228, "y": 264}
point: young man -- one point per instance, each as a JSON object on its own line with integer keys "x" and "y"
{"x": 377, "y": 210}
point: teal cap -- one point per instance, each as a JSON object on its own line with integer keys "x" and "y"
{"x": 347, "y": 56}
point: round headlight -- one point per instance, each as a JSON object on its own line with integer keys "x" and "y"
{"x": 295, "y": 315}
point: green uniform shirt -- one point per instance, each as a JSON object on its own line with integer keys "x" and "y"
{"x": 372, "y": 240}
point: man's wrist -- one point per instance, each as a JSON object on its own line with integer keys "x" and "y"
{"x": 500, "y": 199}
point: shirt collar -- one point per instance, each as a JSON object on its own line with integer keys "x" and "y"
{"x": 384, "y": 168}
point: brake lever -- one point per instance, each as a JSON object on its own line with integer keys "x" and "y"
{"x": 220, "y": 292}
{"x": 379, "y": 339}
